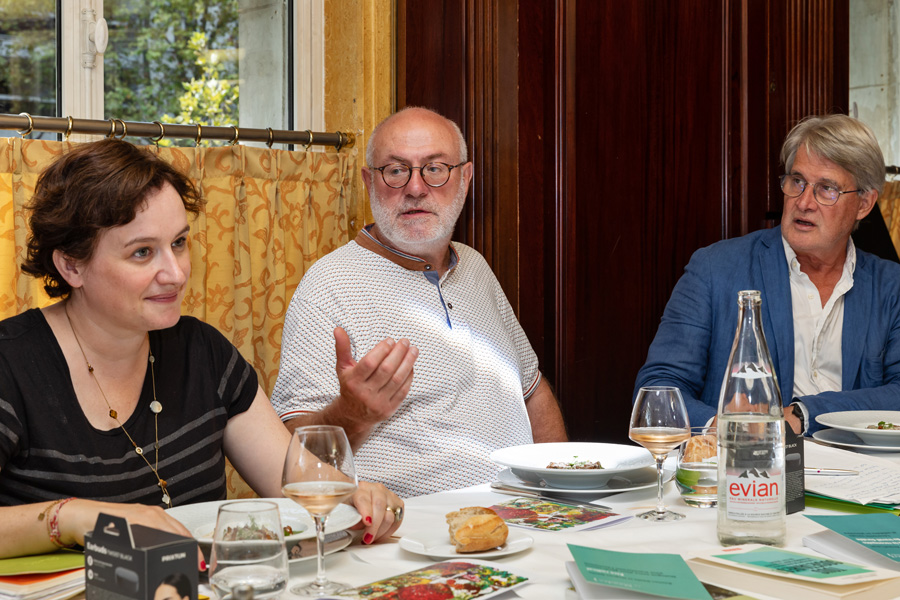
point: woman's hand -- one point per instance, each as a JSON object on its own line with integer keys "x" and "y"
{"x": 80, "y": 516}
{"x": 379, "y": 508}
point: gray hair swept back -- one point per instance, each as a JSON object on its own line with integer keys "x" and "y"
{"x": 463, "y": 149}
{"x": 845, "y": 141}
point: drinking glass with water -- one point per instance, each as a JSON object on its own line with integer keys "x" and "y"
{"x": 248, "y": 549}
{"x": 696, "y": 473}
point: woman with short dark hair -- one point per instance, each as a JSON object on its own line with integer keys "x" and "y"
{"x": 111, "y": 400}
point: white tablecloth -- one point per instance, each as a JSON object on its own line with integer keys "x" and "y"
{"x": 544, "y": 562}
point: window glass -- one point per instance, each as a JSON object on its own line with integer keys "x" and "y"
{"x": 28, "y": 48}
{"x": 215, "y": 62}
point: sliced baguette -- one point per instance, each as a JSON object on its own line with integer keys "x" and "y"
{"x": 476, "y": 529}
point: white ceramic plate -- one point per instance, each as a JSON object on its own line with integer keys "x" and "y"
{"x": 529, "y": 463}
{"x": 848, "y": 439}
{"x": 857, "y": 421}
{"x": 632, "y": 480}
{"x": 200, "y": 519}
{"x": 439, "y": 546}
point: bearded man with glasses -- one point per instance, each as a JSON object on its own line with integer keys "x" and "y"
{"x": 830, "y": 312}
{"x": 402, "y": 295}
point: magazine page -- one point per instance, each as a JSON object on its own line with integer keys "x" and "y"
{"x": 457, "y": 579}
{"x": 533, "y": 513}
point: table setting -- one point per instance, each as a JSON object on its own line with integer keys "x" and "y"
{"x": 549, "y": 511}
{"x": 537, "y": 554}
{"x": 853, "y": 430}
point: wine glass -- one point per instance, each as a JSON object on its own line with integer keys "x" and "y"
{"x": 248, "y": 549}
{"x": 318, "y": 475}
{"x": 659, "y": 423}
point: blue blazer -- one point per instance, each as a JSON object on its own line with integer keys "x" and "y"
{"x": 694, "y": 339}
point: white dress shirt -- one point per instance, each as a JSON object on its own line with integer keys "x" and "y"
{"x": 817, "y": 329}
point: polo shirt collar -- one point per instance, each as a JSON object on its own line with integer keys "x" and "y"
{"x": 367, "y": 238}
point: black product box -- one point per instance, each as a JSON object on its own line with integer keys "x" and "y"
{"x": 135, "y": 562}
{"x": 794, "y": 480}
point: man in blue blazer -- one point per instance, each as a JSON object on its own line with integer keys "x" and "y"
{"x": 830, "y": 312}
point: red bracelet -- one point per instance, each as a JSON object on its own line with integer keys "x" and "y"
{"x": 53, "y": 522}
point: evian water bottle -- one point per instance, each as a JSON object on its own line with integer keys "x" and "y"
{"x": 751, "y": 438}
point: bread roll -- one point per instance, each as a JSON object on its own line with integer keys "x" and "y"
{"x": 475, "y": 529}
{"x": 699, "y": 448}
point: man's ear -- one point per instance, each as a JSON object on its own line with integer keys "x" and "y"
{"x": 468, "y": 171}
{"x": 70, "y": 269}
{"x": 366, "y": 177}
{"x": 866, "y": 203}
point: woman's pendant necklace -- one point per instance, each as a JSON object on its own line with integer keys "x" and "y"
{"x": 155, "y": 408}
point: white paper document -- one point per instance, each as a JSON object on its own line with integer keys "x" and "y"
{"x": 878, "y": 479}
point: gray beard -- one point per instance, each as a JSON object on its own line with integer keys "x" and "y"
{"x": 400, "y": 238}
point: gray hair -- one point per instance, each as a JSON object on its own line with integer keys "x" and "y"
{"x": 463, "y": 149}
{"x": 845, "y": 141}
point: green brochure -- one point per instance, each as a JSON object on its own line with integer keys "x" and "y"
{"x": 665, "y": 575}
{"x": 773, "y": 572}
{"x": 878, "y": 532}
{"x": 828, "y": 503}
{"x": 791, "y": 564}
{"x": 52, "y": 562}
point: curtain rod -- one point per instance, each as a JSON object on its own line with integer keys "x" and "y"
{"x": 24, "y": 124}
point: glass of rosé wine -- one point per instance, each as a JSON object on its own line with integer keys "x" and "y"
{"x": 659, "y": 423}
{"x": 318, "y": 475}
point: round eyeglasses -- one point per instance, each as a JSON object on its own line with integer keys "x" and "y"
{"x": 434, "y": 174}
{"x": 826, "y": 194}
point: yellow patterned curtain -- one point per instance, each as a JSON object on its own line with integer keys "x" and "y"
{"x": 269, "y": 215}
{"x": 890, "y": 210}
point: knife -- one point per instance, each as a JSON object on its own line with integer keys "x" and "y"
{"x": 504, "y": 489}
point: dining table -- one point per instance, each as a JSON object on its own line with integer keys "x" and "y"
{"x": 544, "y": 562}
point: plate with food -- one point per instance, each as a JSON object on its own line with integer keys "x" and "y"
{"x": 200, "y": 519}
{"x": 474, "y": 532}
{"x": 572, "y": 465}
{"x": 638, "y": 479}
{"x": 873, "y": 427}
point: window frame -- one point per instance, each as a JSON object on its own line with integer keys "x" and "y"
{"x": 81, "y": 85}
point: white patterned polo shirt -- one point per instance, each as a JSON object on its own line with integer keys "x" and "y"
{"x": 474, "y": 371}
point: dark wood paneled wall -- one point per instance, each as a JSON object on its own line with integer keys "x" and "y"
{"x": 647, "y": 129}
{"x": 612, "y": 139}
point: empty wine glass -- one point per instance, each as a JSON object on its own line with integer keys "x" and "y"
{"x": 318, "y": 475}
{"x": 659, "y": 423}
{"x": 248, "y": 549}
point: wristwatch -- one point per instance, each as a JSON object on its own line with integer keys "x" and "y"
{"x": 798, "y": 412}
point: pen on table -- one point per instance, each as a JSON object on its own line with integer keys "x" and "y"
{"x": 833, "y": 472}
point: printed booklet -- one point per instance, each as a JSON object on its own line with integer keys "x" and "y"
{"x": 533, "y": 513}
{"x": 457, "y": 579}
{"x": 872, "y": 540}
{"x": 784, "y": 574}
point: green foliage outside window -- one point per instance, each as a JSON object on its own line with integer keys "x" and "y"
{"x": 173, "y": 61}
{"x": 28, "y": 57}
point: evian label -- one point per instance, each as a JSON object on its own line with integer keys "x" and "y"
{"x": 750, "y": 371}
{"x": 754, "y": 495}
